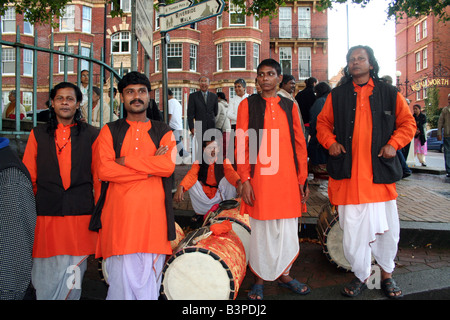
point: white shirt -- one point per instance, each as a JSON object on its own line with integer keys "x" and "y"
{"x": 175, "y": 109}
{"x": 233, "y": 107}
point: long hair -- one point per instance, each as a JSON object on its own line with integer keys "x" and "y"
{"x": 52, "y": 122}
{"x": 372, "y": 61}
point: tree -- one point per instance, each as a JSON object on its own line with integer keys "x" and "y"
{"x": 49, "y": 11}
{"x": 432, "y": 109}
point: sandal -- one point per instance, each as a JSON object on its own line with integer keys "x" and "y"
{"x": 390, "y": 289}
{"x": 257, "y": 291}
{"x": 295, "y": 286}
{"x": 353, "y": 288}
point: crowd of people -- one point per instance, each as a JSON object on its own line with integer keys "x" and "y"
{"x": 108, "y": 191}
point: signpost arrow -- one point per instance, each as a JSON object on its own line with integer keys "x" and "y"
{"x": 191, "y": 14}
{"x": 174, "y": 7}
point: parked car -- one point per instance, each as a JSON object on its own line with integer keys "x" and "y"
{"x": 432, "y": 142}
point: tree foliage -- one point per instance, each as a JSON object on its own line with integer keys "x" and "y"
{"x": 49, "y": 11}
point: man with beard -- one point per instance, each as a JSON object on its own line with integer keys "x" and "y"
{"x": 135, "y": 159}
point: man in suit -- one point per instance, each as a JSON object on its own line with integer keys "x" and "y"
{"x": 203, "y": 108}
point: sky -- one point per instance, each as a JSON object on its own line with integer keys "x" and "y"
{"x": 367, "y": 26}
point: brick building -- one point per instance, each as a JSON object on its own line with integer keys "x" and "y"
{"x": 224, "y": 48}
{"x": 423, "y": 57}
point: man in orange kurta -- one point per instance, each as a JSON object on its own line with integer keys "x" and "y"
{"x": 133, "y": 239}
{"x": 204, "y": 189}
{"x": 274, "y": 188}
{"x": 365, "y": 195}
{"x": 58, "y": 171}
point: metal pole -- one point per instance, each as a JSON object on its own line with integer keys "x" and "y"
{"x": 133, "y": 37}
{"x": 164, "y": 70}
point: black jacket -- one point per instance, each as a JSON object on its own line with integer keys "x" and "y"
{"x": 201, "y": 111}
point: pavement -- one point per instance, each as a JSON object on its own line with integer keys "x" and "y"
{"x": 422, "y": 263}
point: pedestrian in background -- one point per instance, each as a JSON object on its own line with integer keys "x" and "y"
{"x": 444, "y": 124}
{"x": 420, "y": 139}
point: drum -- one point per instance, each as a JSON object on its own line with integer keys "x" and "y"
{"x": 205, "y": 267}
{"x": 331, "y": 237}
{"x": 240, "y": 223}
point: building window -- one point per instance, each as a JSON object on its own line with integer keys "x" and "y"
{"x": 27, "y": 100}
{"x": 219, "y": 57}
{"x": 418, "y": 32}
{"x": 255, "y": 22}
{"x": 27, "y": 62}
{"x": 304, "y": 22}
{"x": 237, "y": 55}
{"x": 157, "y": 57}
{"x": 286, "y": 60}
{"x": 177, "y": 94}
{"x": 120, "y": 42}
{"x": 175, "y": 56}
{"x": 8, "y": 61}
{"x": 125, "y": 5}
{"x": 156, "y": 19}
{"x": 304, "y": 62}
{"x": 425, "y": 58}
{"x": 237, "y": 16}
{"x": 84, "y": 63}
{"x": 285, "y": 20}
{"x": 67, "y": 21}
{"x": 193, "y": 57}
{"x": 87, "y": 18}
{"x": 27, "y": 27}
{"x": 69, "y": 61}
{"x": 255, "y": 56}
{"x": 418, "y": 95}
{"x": 219, "y": 21}
{"x": 424, "y": 29}
{"x": 9, "y": 21}
{"x": 417, "y": 61}
{"x": 425, "y": 92}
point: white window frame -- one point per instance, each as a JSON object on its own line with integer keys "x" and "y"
{"x": 87, "y": 19}
{"x": 70, "y": 61}
{"x": 417, "y": 32}
{"x": 177, "y": 94}
{"x": 219, "y": 21}
{"x": 285, "y": 22}
{"x": 175, "y": 53}
{"x": 418, "y": 61}
{"x": 121, "y": 38}
{"x": 256, "y": 51}
{"x": 424, "y": 29}
{"x": 8, "y": 60}
{"x": 304, "y": 57}
{"x": 85, "y": 51}
{"x": 285, "y": 54}
{"x": 28, "y": 28}
{"x": 193, "y": 50}
{"x": 219, "y": 57}
{"x": 239, "y": 51}
{"x": 125, "y": 5}
{"x": 236, "y": 14}
{"x": 67, "y": 21}
{"x": 9, "y": 21}
{"x": 27, "y": 62}
{"x": 425, "y": 58}
{"x": 157, "y": 58}
{"x": 27, "y": 100}
{"x": 304, "y": 22}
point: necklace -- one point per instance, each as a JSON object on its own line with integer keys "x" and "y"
{"x": 61, "y": 148}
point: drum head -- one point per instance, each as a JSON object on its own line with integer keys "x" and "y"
{"x": 228, "y": 204}
{"x": 334, "y": 247}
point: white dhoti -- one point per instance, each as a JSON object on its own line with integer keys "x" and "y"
{"x": 134, "y": 276}
{"x": 200, "y": 201}
{"x": 59, "y": 277}
{"x": 274, "y": 246}
{"x": 370, "y": 229}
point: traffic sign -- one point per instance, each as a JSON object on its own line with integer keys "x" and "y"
{"x": 191, "y": 14}
{"x": 174, "y": 7}
{"x": 144, "y": 25}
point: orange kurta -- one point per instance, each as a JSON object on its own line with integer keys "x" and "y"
{"x": 360, "y": 187}
{"x": 192, "y": 176}
{"x": 134, "y": 215}
{"x": 275, "y": 181}
{"x": 65, "y": 235}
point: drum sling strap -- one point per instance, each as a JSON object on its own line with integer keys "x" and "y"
{"x": 118, "y": 130}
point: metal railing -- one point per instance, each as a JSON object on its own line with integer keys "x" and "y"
{"x": 20, "y": 124}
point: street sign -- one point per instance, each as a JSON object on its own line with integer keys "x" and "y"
{"x": 174, "y": 7}
{"x": 144, "y": 25}
{"x": 191, "y": 14}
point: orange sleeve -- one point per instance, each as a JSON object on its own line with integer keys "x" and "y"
{"x": 160, "y": 165}
{"x": 242, "y": 146}
{"x": 191, "y": 177}
{"x": 325, "y": 124}
{"x": 404, "y": 123}
{"x": 105, "y": 157}
{"x": 29, "y": 158}
{"x": 300, "y": 147}
{"x": 230, "y": 174}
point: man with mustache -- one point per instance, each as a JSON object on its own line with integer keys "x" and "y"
{"x": 363, "y": 123}
{"x": 135, "y": 159}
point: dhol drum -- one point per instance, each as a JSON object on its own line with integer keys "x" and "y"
{"x": 230, "y": 210}
{"x": 331, "y": 236}
{"x": 205, "y": 266}
{"x": 174, "y": 243}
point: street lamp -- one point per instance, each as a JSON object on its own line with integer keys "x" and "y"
{"x": 402, "y": 86}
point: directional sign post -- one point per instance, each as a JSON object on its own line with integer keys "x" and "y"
{"x": 177, "y": 15}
